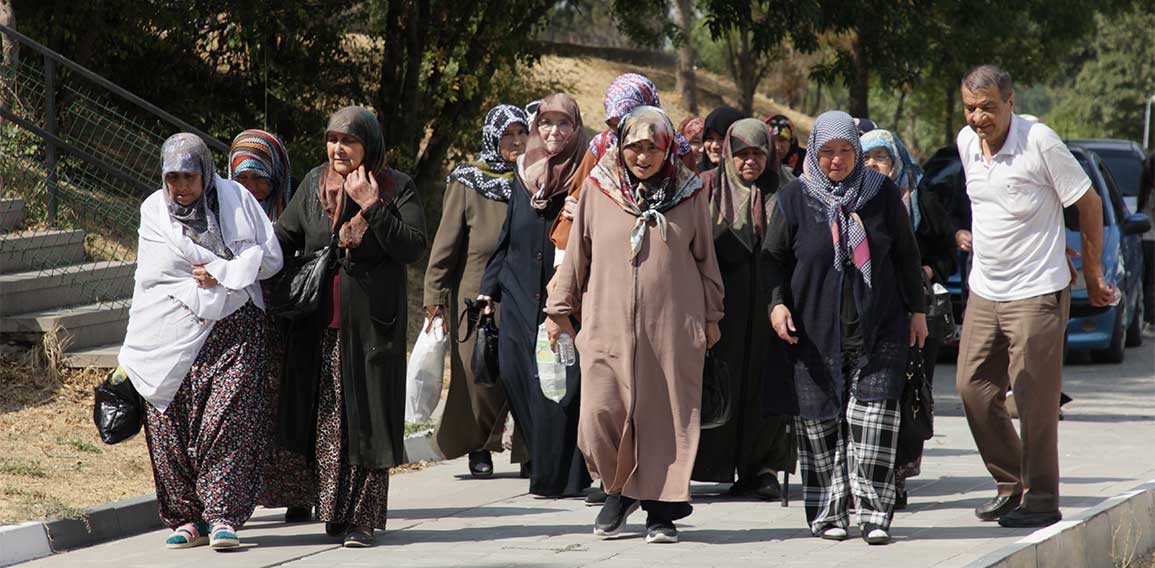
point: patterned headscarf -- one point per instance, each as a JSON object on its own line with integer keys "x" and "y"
{"x": 264, "y": 154}
{"x": 187, "y": 154}
{"x": 625, "y": 93}
{"x": 842, "y": 199}
{"x": 718, "y": 122}
{"x": 360, "y": 123}
{"x": 904, "y": 171}
{"x": 543, "y": 174}
{"x": 692, "y": 127}
{"x": 489, "y": 174}
{"x": 645, "y": 199}
{"x": 737, "y": 204}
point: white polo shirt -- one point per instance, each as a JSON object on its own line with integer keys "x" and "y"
{"x": 1017, "y": 202}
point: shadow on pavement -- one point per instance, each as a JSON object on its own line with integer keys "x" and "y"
{"x": 475, "y": 512}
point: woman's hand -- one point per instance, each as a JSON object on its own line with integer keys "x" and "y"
{"x": 362, "y": 187}
{"x": 432, "y": 312}
{"x": 202, "y": 276}
{"x": 488, "y": 309}
{"x": 783, "y": 323}
{"x": 557, "y": 325}
{"x": 570, "y": 208}
{"x": 929, "y": 272}
{"x": 918, "y": 330}
{"x": 964, "y": 239}
{"x": 713, "y": 334}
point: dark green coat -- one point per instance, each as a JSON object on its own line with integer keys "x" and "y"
{"x": 373, "y": 323}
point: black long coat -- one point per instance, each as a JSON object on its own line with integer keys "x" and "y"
{"x": 372, "y": 294}
{"x": 516, "y": 277}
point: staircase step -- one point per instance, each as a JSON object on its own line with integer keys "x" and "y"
{"x": 84, "y": 326}
{"x": 21, "y": 252}
{"x": 74, "y": 285}
{"x": 11, "y": 214}
{"x": 103, "y": 356}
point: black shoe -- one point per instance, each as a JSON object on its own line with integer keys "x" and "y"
{"x": 525, "y": 471}
{"x": 766, "y": 487}
{"x": 1021, "y": 518}
{"x": 900, "y": 501}
{"x": 336, "y": 529}
{"x": 596, "y": 497}
{"x": 614, "y": 513}
{"x": 359, "y": 537}
{"x": 874, "y": 534}
{"x": 997, "y": 507}
{"x": 298, "y": 514}
{"x": 661, "y": 532}
{"x": 481, "y": 464}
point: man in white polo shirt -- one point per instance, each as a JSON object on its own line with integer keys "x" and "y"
{"x": 1019, "y": 177}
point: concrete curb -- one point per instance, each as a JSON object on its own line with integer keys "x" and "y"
{"x": 1120, "y": 527}
{"x": 128, "y": 517}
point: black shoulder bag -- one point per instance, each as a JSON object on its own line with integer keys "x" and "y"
{"x": 296, "y": 290}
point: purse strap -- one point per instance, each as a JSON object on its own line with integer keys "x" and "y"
{"x": 469, "y": 319}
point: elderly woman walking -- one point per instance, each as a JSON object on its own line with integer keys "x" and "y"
{"x": 516, "y": 276}
{"x": 885, "y": 153}
{"x": 343, "y": 392}
{"x": 259, "y": 161}
{"x": 195, "y": 346}
{"x": 846, "y": 296}
{"x": 641, "y": 269}
{"x": 741, "y": 191}
{"x": 476, "y": 199}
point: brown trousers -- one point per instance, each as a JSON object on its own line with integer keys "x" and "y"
{"x": 1019, "y": 343}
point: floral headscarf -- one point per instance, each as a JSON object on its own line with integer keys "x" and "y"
{"x": 645, "y": 199}
{"x": 489, "y": 174}
{"x": 625, "y": 93}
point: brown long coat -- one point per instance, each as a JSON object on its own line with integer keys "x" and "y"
{"x": 470, "y": 223}
{"x": 642, "y": 341}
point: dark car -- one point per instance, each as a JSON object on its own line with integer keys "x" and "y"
{"x": 1102, "y": 330}
{"x": 1125, "y": 160}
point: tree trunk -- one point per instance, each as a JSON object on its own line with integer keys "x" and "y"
{"x": 687, "y": 59}
{"x": 948, "y": 117}
{"x": 747, "y": 78}
{"x": 898, "y": 110}
{"x": 860, "y": 82}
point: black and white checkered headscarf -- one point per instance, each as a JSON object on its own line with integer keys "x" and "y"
{"x": 489, "y": 174}
{"x": 841, "y": 200}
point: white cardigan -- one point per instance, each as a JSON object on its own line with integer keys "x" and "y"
{"x": 171, "y": 316}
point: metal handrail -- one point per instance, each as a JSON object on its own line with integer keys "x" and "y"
{"x": 212, "y": 141}
{"x": 69, "y": 147}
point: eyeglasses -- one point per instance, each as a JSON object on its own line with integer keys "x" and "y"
{"x": 877, "y": 159}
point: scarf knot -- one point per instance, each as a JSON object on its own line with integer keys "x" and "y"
{"x": 641, "y": 224}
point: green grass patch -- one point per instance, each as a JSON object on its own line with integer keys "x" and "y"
{"x": 412, "y": 428}
{"x": 24, "y": 469}
{"x": 79, "y": 445}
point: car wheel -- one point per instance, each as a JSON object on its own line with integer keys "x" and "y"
{"x": 1114, "y": 352}
{"x": 1135, "y": 330}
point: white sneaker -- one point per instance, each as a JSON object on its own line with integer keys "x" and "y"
{"x": 833, "y": 533}
{"x": 1149, "y": 331}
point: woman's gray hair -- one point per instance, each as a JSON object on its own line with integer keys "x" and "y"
{"x": 987, "y": 76}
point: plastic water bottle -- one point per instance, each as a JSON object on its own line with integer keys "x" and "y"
{"x": 550, "y": 372}
{"x": 566, "y": 352}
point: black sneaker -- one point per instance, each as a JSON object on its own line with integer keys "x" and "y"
{"x": 298, "y": 514}
{"x": 596, "y": 497}
{"x": 766, "y": 487}
{"x": 336, "y": 529}
{"x": 661, "y": 532}
{"x": 481, "y": 464}
{"x": 614, "y": 513}
{"x": 900, "y": 501}
{"x": 359, "y": 537}
{"x": 1021, "y": 518}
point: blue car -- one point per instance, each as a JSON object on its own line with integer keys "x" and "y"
{"x": 1104, "y": 331}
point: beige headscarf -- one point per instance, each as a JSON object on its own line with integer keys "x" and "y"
{"x": 546, "y": 175}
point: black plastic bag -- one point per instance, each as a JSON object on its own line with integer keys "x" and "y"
{"x": 117, "y": 410}
{"x": 483, "y": 360}
{"x": 717, "y": 400}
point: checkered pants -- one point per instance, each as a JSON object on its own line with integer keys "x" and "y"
{"x": 851, "y": 455}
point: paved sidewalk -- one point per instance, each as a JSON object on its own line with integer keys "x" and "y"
{"x": 440, "y": 517}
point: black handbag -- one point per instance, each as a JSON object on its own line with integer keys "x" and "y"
{"x": 939, "y": 313}
{"x": 117, "y": 409}
{"x": 484, "y": 359}
{"x": 296, "y": 291}
{"x": 916, "y": 405}
{"x": 717, "y": 400}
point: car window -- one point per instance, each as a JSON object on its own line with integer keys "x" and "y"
{"x": 1071, "y": 214}
{"x": 1125, "y": 167}
{"x": 1112, "y": 189}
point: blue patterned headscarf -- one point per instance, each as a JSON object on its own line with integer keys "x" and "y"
{"x": 905, "y": 173}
